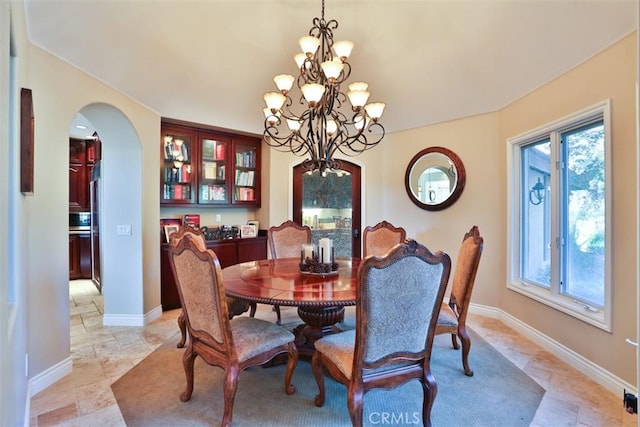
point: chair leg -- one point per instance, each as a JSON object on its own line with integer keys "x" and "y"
{"x": 187, "y": 363}
{"x": 230, "y": 388}
{"x": 276, "y": 308}
{"x": 429, "y": 392}
{"x": 355, "y": 405}
{"x": 454, "y": 341}
{"x": 292, "y": 361}
{"x": 182, "y": 325}
{"x": 466, "y": 346}
{"x": 252, "y": 311}
{"x": 316, "y": 368}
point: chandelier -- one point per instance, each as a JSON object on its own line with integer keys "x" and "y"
{"x": 326, "y": 125}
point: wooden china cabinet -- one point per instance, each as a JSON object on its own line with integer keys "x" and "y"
{"x": 201, "y": 167}
{"x": 205, "y": 167}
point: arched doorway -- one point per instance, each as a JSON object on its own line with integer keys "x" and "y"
{"x": 330, "y": 204}
{"x": 120, "y": 215}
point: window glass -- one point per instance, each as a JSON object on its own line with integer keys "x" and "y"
{"x": 535, "y": 202}
{"x": 584, "y": 198}
{"x": 559, "y": 230}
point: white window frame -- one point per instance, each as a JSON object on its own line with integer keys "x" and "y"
{"x": 599, "y": 317}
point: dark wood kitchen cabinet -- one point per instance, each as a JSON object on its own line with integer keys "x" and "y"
{"x": 79, "y": 256}
{"x": 229, "y": 252}
{"x": 83, "y": 155}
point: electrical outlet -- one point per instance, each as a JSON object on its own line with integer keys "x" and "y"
{"x": 630, "y": 401}
{"x": 218, "y": 218}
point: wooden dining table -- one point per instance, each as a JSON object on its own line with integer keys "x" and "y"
{"x": 320, "y": 298}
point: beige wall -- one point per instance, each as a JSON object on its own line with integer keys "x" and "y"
{"x": 611, "y": 75}
{"x": 480, "y": 142}
{"x": 474, "y": 140}
{"x": 59, "y": 92}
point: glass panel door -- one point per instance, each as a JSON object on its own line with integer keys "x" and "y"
{"x": 330, "y": 205}
{"x": 212, "y": 182}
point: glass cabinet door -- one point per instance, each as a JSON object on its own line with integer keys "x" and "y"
{"x": 176, "y": 177}
{"x": 246, "y": 161}
{"x": 329, "y": 204}
{"x": 212, "y": 182}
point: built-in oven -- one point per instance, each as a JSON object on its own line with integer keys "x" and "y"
{"x": 79, "y": 222}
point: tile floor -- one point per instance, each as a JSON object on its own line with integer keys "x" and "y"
{"x": 101, "y": 354}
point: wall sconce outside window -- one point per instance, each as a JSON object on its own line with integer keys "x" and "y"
{"x": 537, "y": 193}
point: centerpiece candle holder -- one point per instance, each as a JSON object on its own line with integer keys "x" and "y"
{"x": 318, "y": 260}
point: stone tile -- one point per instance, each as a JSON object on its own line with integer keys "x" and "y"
{"x": 57, "y": 416}
{"x": 80, "y": 309}
{"x": 554, "y": 411}
{"x": 105, "y": 417}
{"x": 95, "y": 396}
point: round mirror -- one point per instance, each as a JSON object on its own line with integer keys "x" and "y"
{"x": 435, "y": 178}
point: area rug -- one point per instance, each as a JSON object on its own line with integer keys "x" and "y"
{"x": 499, "y": 394}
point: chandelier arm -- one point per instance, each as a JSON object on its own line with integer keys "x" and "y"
{"x": 292, "y": 142}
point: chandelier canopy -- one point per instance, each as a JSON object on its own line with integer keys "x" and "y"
{"x": 327, "y": 125}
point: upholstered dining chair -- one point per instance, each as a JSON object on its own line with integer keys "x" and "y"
{"x": 379, "y": 238}
{"x": 399, "y": 296}
{"x": 231, "y": 344}
{"x": 285, "y": 241}
{"x": 453, "y": 316}
{"x": 235, "y": 306}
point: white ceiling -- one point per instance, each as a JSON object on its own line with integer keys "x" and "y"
{"x": 210, "y": 61}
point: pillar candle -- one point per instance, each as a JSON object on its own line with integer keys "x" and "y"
{"x": 325, "y": 250}
{"x": 308, "y": 250}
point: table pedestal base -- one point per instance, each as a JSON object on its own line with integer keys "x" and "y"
{"x": 318, "y": 321}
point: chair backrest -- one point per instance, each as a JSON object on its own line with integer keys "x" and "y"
{"x": 399, "y": 298}
{"x": 199, "y": 281}
{"x": 286, "y": 239}
{"x": 193, "y": 233}
{"x": 378, "y": 239}
{"x": 464, "y": 275}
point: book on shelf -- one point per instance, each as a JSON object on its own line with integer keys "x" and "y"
{"x": 185, "y": 152}
{"x": 245, "y": 178}
{"x": 185, "y": 173}
{"x": 246, "y": 159}
{"x": 192, "y": 220}
{"x": 208, "y": 149}
{"x": 245, "y": 194}
{"x": 218, "y": 193}
{"x": 209, "y": 170}
{"x": 204, "y": 193}
{"x": 219, "y": 150}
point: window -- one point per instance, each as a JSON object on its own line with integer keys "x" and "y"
{"x": 559, "y": 202}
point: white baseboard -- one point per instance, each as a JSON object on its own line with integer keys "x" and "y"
{"x": 132, "y": 319}
{"x": 598, "y": 374}
{"x": 45, "y": 379}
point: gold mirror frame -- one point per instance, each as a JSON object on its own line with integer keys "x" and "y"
{"x": 443, "y": 172}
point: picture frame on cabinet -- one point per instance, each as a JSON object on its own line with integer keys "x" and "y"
{"x": 168, "y": 221}
{"x": 169, "y": 230}
{"x": 248, "y": 230}
{"x": 254, "y": 222}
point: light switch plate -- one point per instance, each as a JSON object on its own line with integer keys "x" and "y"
{"x": 124, "y": 230}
